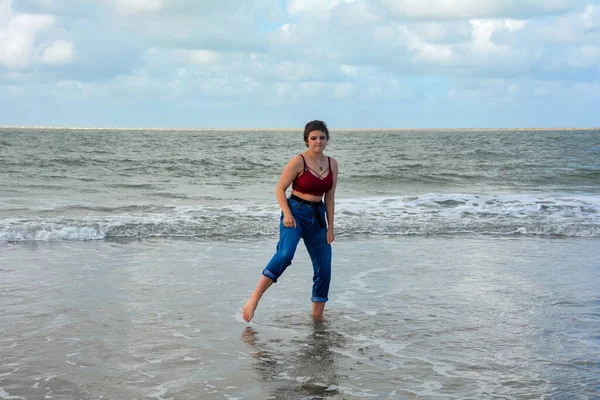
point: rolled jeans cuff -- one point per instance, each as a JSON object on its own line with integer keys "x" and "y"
{"x": 269, "y": 275}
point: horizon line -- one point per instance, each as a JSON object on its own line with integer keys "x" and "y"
{"x": 293, "y": 129}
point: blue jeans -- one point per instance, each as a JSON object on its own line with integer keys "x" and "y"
{"x": 315, "y": 240}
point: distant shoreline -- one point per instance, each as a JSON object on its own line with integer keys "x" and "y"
{"x": 300, "y": 129}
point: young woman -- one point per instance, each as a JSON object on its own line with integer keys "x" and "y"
{"x": 306, "y": 214}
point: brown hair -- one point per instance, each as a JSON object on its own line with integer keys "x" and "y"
{"x": 315, "y": 125}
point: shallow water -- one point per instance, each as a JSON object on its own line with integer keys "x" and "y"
{"x": 464, "y": 317}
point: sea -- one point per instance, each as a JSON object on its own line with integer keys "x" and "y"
{"x": 466, "y": 265}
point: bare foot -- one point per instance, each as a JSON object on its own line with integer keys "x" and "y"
{"x": 317, "y": 310}
{"x": 248, "y": 310}
{"x": 318, "y": 318}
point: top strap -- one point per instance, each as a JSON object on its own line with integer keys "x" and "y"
{"x": 304, "y": 161}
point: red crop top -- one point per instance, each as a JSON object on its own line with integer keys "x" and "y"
{"x": 311, "y": 182}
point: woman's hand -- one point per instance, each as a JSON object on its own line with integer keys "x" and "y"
{"x": 288, "y": 220}
{"x": 330, "y": 236}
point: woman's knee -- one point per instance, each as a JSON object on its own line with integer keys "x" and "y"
{"x": 285, "y": 256}
{"x": 322, "y": 274}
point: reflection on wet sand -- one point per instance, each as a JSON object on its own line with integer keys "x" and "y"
{"x": 304, "y": 366}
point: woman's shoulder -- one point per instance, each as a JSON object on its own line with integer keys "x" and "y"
{"x": 297, "y": 162}
{"x": 298, "y": 158}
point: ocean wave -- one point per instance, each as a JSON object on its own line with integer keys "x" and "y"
{"x": 515, "y": 176}
{"x": 432, "y": 214}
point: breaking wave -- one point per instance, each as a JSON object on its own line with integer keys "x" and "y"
{"x": 431, "y": 214}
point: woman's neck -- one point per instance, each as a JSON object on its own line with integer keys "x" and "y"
{"x": 313, "y": 155}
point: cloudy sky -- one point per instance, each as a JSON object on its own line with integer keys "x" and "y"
{"x": 280, "y": 63}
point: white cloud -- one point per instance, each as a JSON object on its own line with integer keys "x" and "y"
{"x": 441, "y": 32}
{"x": 5, "y": 10}
{"x": 482, "y": 35}
{"x": 476, "y": 9}
{"x": 315, "y": 8}
{"x": 48, "y": 3}
{"x": 203, "y": 56}
{"x": 249, "y": 83}
{"x": 514, "y": 24}
{"x": 427, "y": 52}
{"x": 349, "y": 70}
{"x": 227, "y": 25}
{"x": 383, "y": 33}
{"x": 288, "y": 35}
{"x": 321, "y": 49}
{"x": 18, "y": 35}
{"x": 433, "y": 53}
{"x": 591, "y": 17}
{"x": 293, "y": 71}
{"x": 57, "y": 53}
{"x": 70, "y": 87}
{"x": 586, "y": 56}
{"x": 356, "y": 13}
{"x": 129, "y": 7}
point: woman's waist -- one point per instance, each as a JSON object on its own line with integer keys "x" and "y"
{"x": 306, "y": 198}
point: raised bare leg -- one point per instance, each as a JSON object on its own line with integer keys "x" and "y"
{"x": 317, "y": 309}
{"x": 248, "y": 311}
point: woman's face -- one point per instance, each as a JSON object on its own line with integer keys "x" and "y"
{"x": 316, "y": 141}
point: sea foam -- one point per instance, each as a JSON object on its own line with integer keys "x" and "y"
{"x": 430, "y": 214}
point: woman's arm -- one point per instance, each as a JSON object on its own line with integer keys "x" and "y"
{"x": 330, "y": 202}
{"x": 291, "y": 170}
